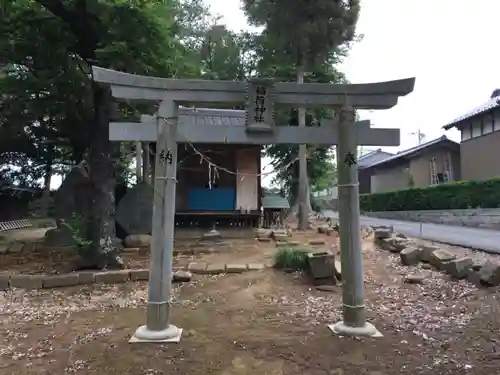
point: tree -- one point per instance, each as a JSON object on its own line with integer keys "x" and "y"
{"x": 49, "y": 49}
{"x": 304, "y": 34}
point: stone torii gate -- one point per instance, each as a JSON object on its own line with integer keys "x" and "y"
{"x": 260, "y": 95}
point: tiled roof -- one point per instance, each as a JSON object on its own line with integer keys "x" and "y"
{"x": 489, "y": 105}
{"x": 372, "y": 157}
{"x": 275, "y": 201}
{"x": 212, "y": 116}
{"x": 411, "y": 151}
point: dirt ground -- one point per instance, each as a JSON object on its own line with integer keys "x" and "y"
{"x": 264, "y": 322}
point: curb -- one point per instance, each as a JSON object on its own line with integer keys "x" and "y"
{"x": 31, "y": 282}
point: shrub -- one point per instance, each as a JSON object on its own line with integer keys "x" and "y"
{"x": 291, "y": 258}
{"x": 454, "y": 195}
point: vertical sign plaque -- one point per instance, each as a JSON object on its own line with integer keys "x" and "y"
{"x": 260, "y": 105}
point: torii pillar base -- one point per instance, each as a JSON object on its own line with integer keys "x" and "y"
{"x": 341, "y": 329}
{"x": 143, "y": 334}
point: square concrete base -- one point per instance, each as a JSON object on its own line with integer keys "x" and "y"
{"x": 341, "y": 329}
{"x": 142, "y": 336}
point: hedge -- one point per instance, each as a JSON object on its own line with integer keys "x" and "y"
{"x": 453, "y": 195}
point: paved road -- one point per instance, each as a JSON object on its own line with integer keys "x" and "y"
{"x": 481, "y": 239}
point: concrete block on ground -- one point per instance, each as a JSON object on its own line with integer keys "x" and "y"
{"x": 321, "y": 265}
{"x": 255, "y": 266}
{"x": 139, "y": 274}
{"x": 182, "y": 276}
{"x": 380, "y": 234}
{"x": 112, "y": 277}
{"x": 459, "y": 268}
{"x": 236, "y": 268}
{"x": 199, "y": 268}
{"x": 86, "y": 277}
{"x": 27, "y": 282}
{"x": 439, "y": 258}
{"x": 59, "y": 281}
{"x": 410, "y": 256}
{"x": 215, "y": 269}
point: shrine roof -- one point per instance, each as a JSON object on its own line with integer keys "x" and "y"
{"x": 212, "y": 116}
{"x": 275, "y": 202}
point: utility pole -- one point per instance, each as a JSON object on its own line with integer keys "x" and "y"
{"x": 420, "y": 136}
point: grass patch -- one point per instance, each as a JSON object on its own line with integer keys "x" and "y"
{"x": 291, "y": 258}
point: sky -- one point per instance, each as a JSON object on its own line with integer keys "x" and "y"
{"x": 450, "y": 46}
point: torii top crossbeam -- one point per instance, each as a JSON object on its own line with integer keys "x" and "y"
{"x": 380, "y": 95}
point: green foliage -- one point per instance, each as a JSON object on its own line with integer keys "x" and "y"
{"x": 76, "y": 226}
{"x": 454, "y": 195}
{"x": 304, "y": 32}
{"x": 291, "y": 258}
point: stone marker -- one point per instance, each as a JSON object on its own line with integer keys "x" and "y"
{"x": 58, "y": 237}
{"x": 74, "y": 195}
{"x": 439, "y": 258}
{"x": 316, "y": 242}
{"x": 459, "y": 268}
{"x": 135, "y": 210}
{"x": 410, "y": 256}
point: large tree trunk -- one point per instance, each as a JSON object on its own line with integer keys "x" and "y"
{"x": 102, "y": 177}
{"x": 304, "y": 201}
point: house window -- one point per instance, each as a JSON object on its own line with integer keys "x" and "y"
{"x": 466, "y": 133}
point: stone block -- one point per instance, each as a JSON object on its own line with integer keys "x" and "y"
{"x": 27, "y": 282}
{"x": 181, "y": 276}
{"x": 380, "y": 234}
{"x": 323, "y": 229}
{"x": 4, "y": 282}
{"x": 59, "y": 281}
{"x": 135, "y": 209}
{"x": 58, "y": 237}
{"x": 321, "y": 265}
{"x": 280, "y": 238}
{"x": 263, "y": 233}
{"x": 293, "y": 243}
{"x": 139, "y": 274}
{"x": 316, "y": 242}
{"x": 137, "y": 240}
{"x": 281, "y": 243}
{"x": 86, "y": 277}
{"x": 263, "y": 239}
{"x": 255, "y": 266}
{"x": 236, "y": 268}
{"x": 199, "y": 268}
{"x": 112, "y": 277}
{"x": 439, "y": 258}
{"x": 410, "y": 256}
{"x": 427, "y": 250}
{"x": 215, "y": 269}
{"x": 489, "y": 274}
{"x": 459, "y": 268}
